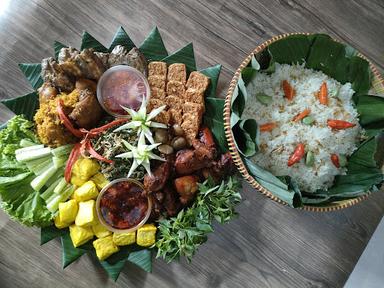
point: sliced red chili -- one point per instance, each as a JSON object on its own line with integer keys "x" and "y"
{"x": 73, "y": 156}
{"x": 335, "y": 160}
{"x": 96, "y": 155}
{"x": 297, "y": 154}
{"x": 67, "y": 123}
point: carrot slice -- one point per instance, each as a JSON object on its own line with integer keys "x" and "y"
{"x": 267, "y": 127}
{"x": 289, "y": 91}
{"x": 322, "y": 95}
{"x": 301, "y": 115}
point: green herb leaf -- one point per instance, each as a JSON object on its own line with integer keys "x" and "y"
{"x": 25, "y": 105}
{"x": 213, "y": 73}
{"x": 264, "y": 98}
{"x": 88, "y": 41}
{"x": 121, "y": 38}
{"x": 32, "y": 72}
{"x": 213, "y": 118}
{"x": 184, "y": 55}
{"x": 153, "y": 47}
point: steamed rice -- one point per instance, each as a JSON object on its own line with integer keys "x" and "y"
{"x": 278, "y": 145}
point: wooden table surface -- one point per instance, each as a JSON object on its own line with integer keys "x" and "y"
{"x": 268, "y": 245}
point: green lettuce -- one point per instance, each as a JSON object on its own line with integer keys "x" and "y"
{"x": 19, "y": 200}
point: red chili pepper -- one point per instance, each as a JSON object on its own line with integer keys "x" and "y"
{"x": 289, "y": 92}
{"x": 96, "y": 155}
{"x": 301, "y": 115}
{"x": 339, "y": 124}
{"x": 297, "y": 154}
{"x": 67, "y": 123}
{"x": 335, "y": 160}
{"x": 75, "y": 153}
{"x": 267, "y": 127}
{"x": 323, "y": 94}
{"x": 97, "y": 131}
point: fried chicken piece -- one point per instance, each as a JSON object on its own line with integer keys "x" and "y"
{"x": 103, "y": 58}
{"x": 46, "y": 92}
{"x": 66, "y": 59}
{"x": 83, "y": 84}
{"x": 171, "y": 201}
{"x": 186, "y": 187}
{"x": 133, "y": 58}
{"x": 81, "y": 113}
{"x": 90, "y": 65}
{"x": 52, "y": 72}
{"x": 67, "y": 54}
{"x": 159, "y": 177}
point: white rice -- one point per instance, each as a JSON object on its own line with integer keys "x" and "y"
{"x": 278, "y": 145}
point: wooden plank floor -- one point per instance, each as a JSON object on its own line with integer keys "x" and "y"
{"x": 268, "y": 245}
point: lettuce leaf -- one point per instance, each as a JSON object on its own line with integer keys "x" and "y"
{"x": 19, "y": 200}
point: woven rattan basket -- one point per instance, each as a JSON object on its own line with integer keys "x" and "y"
{"x": 377, "y": 86}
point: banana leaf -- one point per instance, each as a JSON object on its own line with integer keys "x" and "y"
{"x": 339, "y": 61}
{"x": 184, "y": 55}
{"x": 153, "y": 47}
{"x": 88, "y": 41}
{"x": 213, "y": 73}
{"x": 32, "y": 72}
{"x": 69, "y": 252}
{"x": 50, "y": 232}
{"x": 213, "y": 118}
{"x": 26, "y": 105}
{"x": 121, "y": 38}
{"x": 57, "y": 47}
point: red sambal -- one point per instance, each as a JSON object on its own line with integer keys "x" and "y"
{"x": 124, "y": 205}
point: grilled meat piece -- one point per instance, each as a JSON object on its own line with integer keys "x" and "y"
{"x": 103, "y": 58}
{"x": 171, "y": 201}
{"x": 83, "y": 84}
{"x": 133, "y": 58}
{"x": 221, "y": 168}
{"x": 90, "y": 65}
{"x": 159, "y": 177}
{"x": 87, "y": 112}
{"x": 67, "y": 54}
{"x": 46, "y": 92}
{"x": 186, "y": 187}
{"x": 53, "y": 73}
{"x": 66, "y": 59}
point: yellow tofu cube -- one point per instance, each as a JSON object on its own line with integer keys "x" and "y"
{"x": 85, "y": 192}
{"x": 122, "y": 239}
{"x": 76, "y": 180}
{"x": 68, "y": 211}
{"x": 80, "y": 235}
{"x": 146, "y": 235}
{"x": 59, "y": 224}
{"x": 105, "y": 247}
{"x": 100, "y": 180}
{"x": 88, "y": 168}
{"x": 100, "y": 231}
{"x": 87, "y": 213}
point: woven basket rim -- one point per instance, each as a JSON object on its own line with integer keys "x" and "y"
{"x": 336, "y": 205}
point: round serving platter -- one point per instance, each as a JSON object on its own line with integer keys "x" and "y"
{"x": 377, "y": 86}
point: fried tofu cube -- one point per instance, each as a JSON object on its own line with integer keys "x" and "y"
{"x": 82, "y": 170}
{"x": 175, "y": 88}
{"x": 99, "y": 230}
{"x": 68, "y": 211}
{"x": 146, "y": 235}
{"x": 156, "y": 82}
{"x": 122, "y": 239}
{"x": 100, "y": 180}
{"x": 158, "y": 93}
{"x": 195, "y": 96}
{"x": 174, "y": 102}
{"x": 157, "y": 68}
{"x": 176, "y": 116}
{"x": 59, "y": 224}
{"x": 177, "y": 72}
{"x": 87, "y": 214}
{"x": 76, "y": 180}
{"x": 85, "y": 192}
{"x": 105, "y": 247}
{"x": 80, "y": 235}
{"x": 198, "y": 81}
